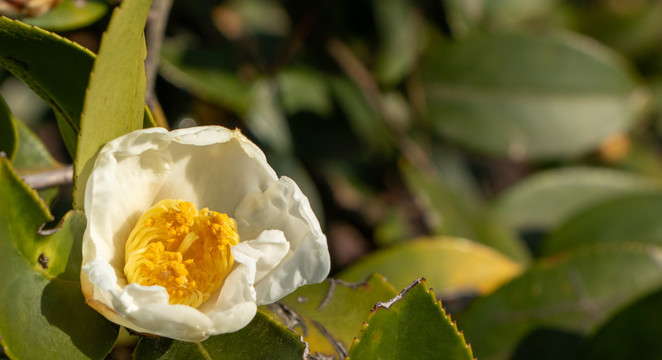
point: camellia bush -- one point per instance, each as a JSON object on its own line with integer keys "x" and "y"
{"x": 265, "y": 179}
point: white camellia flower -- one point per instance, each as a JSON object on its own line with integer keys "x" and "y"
{"x": 189, "y": 231}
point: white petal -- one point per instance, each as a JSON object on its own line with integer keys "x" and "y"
{"x": 234, "y": 305}
{"x": 121, "y": 187}
{"x": 215, "y": 167}
{"x": 146, "y": 308}
{"x": 283, "y": 206}
{"x": 282, "y": 245}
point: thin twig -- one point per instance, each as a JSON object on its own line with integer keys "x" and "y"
{"x": 60, "y": 176}
{"x": 370, "y": 89}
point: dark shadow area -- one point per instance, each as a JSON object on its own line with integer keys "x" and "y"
{"x": 548, "y": 344}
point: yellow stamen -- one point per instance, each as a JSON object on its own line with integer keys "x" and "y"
{"x": 184, "y": 250}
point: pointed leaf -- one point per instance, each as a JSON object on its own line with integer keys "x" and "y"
{"x": 413, "y": 325}
{"x": 43, "y": 308}
{"x": 533, "y": 97}
{"x": 547, "y": 199}
{"x": 263, "y": 338}
{"x": 571, "y": 293}
{"x": 55, "y": 68}
{"x": 451, "y": 265}
{"x": 115, "y": 100}
{"x": 330, "y": 314}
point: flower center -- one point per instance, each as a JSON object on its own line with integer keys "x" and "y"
{"x": 184, "y": 250}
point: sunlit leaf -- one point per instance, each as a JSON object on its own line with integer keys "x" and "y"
{"x": 56, "y": 69}
{"x": 530, "y": 92}
{"x": 263, "y": 338}
{"x": 70, "y": 15}
{"x": 450, "y": 265}
{"x": 413, "y": 325}
{"x": 115, "y": 100}
{"x": 329, "y": 315}
{"x": 42, "y": 300}
{"x": 573, "y": 293}
{"x": 546, "y": 199}
{"x": 629, "y": 218}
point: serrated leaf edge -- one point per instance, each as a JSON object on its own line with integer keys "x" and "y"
{"x": 386, "y": 305}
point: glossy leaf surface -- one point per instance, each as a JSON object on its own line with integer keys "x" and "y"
{"x": 413, "y": 325}
{"x": 313, "y": 311}
{"x": 30, "y": 54}
{"x": 115, "y": 99}
{"x": 528, "y": 93}
{"x": 547, "y": 199}
{"x": 572, "y": 293}
{"x": 42, "y": 300}
{"x": 450, "y": 265}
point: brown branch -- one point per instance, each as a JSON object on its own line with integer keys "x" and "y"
{"x": 55, "y": 177}
{"x": 370, "y": 89}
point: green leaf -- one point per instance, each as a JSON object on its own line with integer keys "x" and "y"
{"x": 43, "y": 308}
{"x": 633, "y": 333}
{"x": 546, "y": 199}
{"x": 32, "y": 155}
{"x": 363, "y": 119}
{"x": 573, "y": 293}
{"x": 263, "y": 338}
{"x": 450, "y": 265}
{"x": 399, "y": 29}
{"x": 265, "y": 117}
{"x": 304, "y": 89}
{"x": 53, "y": 67}
{"x": 210, "y": 74}
{"x": 629, "y": 218}
{"x": 329, "y": 315}
{"x": 533, "y": 97}
{"x": 70, "y": 16}
{"x": 450, "y": 215}
{"x": 115, "y": 100}
{"x": 56, "y": 69}
{"x": 413, "y": 325}
{"x": 8, "y": 131}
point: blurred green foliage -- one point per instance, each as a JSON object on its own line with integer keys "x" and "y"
{"x": 532, "y": 129}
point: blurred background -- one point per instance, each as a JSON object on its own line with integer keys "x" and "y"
{"x": 468, "y": 141}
